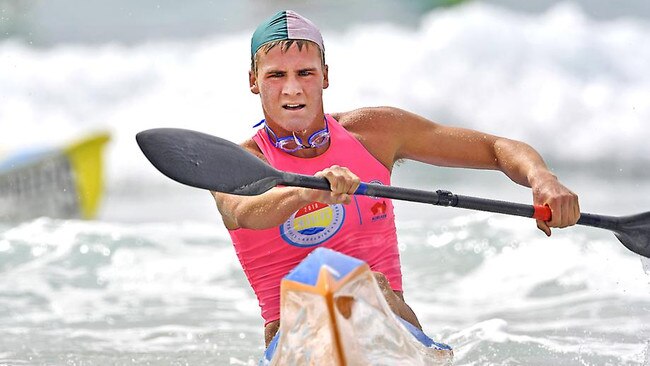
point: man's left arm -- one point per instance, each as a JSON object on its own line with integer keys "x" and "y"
{"x": 422, "y": 140}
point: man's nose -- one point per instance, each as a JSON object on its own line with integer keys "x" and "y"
{"x": 292, "y": 86}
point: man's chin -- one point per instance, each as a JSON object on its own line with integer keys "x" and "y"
{"x": 296, "y": 121}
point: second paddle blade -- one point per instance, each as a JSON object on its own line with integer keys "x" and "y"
{"x": 208, "y": 162}
{"x": 634, "y": 232}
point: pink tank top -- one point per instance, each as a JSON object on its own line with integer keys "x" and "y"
{"x": 364, "y": 229}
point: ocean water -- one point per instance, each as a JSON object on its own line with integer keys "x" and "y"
{"x": 155, "y": 281}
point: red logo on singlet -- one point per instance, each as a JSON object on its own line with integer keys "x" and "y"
{"x": 379, "y": 211}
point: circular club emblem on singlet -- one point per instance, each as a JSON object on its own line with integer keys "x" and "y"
{"x": 313, "y": 224}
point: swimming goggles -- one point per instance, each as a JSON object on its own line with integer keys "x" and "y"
{"x": 293, "y": 143}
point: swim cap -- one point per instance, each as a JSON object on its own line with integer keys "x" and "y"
{"x": 286, "y": 24}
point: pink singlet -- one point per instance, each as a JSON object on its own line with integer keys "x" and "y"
{"x": 364, "y": 229}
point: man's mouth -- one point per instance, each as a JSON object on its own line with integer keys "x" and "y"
{"x": 293, "y": 107}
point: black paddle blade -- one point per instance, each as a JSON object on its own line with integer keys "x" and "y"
{"x": 634, "y": 232}
{"x": 208, "y": 162}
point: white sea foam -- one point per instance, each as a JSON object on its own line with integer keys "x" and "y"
{"x": 496, "y": 289}
{"x": 575, "y": 88}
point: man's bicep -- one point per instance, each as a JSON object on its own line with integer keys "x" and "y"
{"x": 442, "y": 145}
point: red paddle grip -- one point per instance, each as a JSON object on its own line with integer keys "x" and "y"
{"x": 542, "y": 213}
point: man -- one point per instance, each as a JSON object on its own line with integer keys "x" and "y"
{"x": 274, "y": 231}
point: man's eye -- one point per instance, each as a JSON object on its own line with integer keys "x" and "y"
{"x": 304, "y": 73}
{"x": 276, "y": 75}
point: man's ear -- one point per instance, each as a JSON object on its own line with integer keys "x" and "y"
{"x": 326, "y": 80}
{"x": 252, "y": 82}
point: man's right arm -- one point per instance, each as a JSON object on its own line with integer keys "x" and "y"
{"x": 265, "y": 211}
{"x": 274, "y": 207}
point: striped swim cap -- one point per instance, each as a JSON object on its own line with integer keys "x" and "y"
{"x": 286, "y": 24}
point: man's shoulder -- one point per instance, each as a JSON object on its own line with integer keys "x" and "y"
{"x": 251, "y": 146}
{"x": 376, "y": 128}
{"x": 367, "y": 119}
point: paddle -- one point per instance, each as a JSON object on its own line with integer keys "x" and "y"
{"x": 208, "y": 162}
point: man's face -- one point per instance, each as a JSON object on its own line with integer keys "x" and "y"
{"x": 290, "y": 85}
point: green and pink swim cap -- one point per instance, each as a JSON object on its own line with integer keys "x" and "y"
{"x": 285, "y": 25}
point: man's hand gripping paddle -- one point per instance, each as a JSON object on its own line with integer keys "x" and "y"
{"x": 209, "y": 162}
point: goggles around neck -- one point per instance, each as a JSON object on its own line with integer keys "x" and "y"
{"x": 293, "y": 143}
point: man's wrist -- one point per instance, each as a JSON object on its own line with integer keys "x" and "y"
{"x": 538, "y": 178}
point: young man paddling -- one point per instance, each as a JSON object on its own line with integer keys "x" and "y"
{"x": 274, "y": 231}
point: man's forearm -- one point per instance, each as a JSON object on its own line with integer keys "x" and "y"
{"x": 521, "y": 163}
{"x": 264, "y": 211}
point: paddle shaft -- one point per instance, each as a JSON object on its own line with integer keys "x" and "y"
{"x": 209, "y": 162}
{"x": 446, "y": 198}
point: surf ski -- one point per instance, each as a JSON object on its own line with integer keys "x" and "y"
{"x": 332, "y": 312}
{"x": 58, "y": 182}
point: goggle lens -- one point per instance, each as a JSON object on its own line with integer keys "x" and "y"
{"x": 319, "y": 139}
{"x": 294, "y": 143}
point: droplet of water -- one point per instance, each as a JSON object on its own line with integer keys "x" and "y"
{"x": 106, "y": 251}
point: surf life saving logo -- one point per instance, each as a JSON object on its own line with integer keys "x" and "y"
{"x": 379, "y": 211}
{"x": 313, "y": 224}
